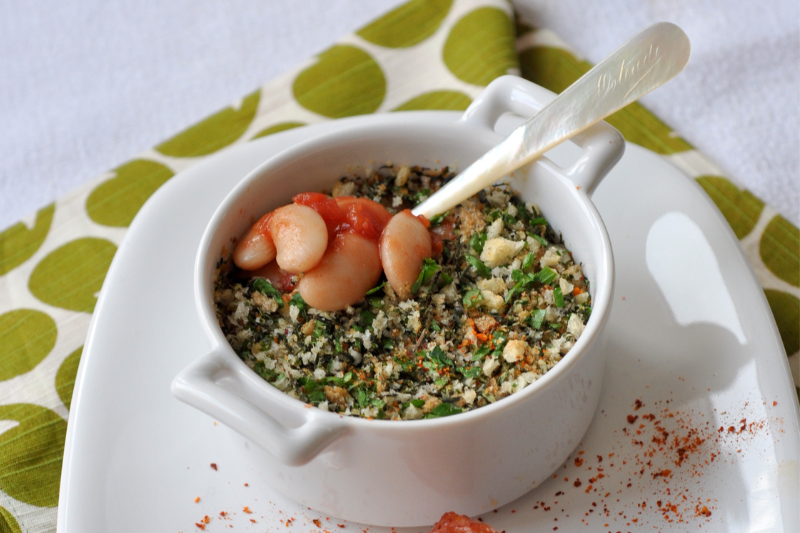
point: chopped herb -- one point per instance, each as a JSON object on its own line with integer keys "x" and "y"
{"x": 528, "y": 261}
{"x": 429, "y": 268}
{"x": 298, "y": 302}
{"x": 472, "y": 298}
{"x": 477, "y": 241}
{"x": 443, "y": 409}
{"x": 539, "y": 239}
{"x": 366, "y": 317}
{"x": 361, "y": 396}
{"x": 320, "y": 329}
{"x": 373, "y": 290}
{"x": 264, "y": 286}
{"x": 435, "y": 220}
{"x": 472, "y": 372}
{"x": 438, "y": 356}
{"x": 417, "y": 402}
{"x": 538, "y": 221}
{"x": 441, "y": 382}
{"x": 483, "y": 270}
{"x": 537, "y": 317}
{"x": 546, "y": 276}
{"x": 558, "y": 298}
{"x": 480, "y": 353}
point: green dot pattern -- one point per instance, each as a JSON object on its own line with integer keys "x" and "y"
{"x": 70, "y": 276}
{"x": 740, "y": 208}
{"x": 448, "y": 100}
{"x": 65, "y": 377}
{"x": 18, "y": 243}
{"x": 115, "y": 202}
{"x": 26, "y": 337}
{"x": 557, "y": 69}
{"x": 786, "y": 310}
{"x": 409, "y": 24}
{"x": 277, "y": 128}
{"x": 423, "y": 55}
{"x": 8, "y": 524}
{"x": 214, "y": 133}
{"x": 345, "y": 81}
{"x": 31, "y": 454}
{"x": 480, "y": 46}
{"x": 780, "y": 250}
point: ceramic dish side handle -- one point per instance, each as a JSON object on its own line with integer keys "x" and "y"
{"x": 602, "y": 144}
{"x": 199, "y": 386}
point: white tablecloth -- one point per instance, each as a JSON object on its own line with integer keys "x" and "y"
{"x": 86, "y": 85}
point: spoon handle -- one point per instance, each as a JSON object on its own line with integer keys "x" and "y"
{"x": 646, "y": 61}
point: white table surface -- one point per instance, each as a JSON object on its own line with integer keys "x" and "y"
{"x": 86, "y": 85}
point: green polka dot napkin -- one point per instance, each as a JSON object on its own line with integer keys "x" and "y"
{"x": 426, "y": 54}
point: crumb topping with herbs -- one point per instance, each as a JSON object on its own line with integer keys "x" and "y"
{"x": 497, "y": 308}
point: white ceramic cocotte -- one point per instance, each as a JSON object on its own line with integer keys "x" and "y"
{"x": 408, "y": 473}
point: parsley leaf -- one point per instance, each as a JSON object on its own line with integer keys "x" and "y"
{"x": 528, "y": 261}
{"x": 443, "y": 409}
{"x": 514, "y": 290}
{"x": 472, "y": 298}
{"x": 472, "y": 372}
{"x": 537, "y": 317}
{"x": 480, "y": 353}
{"x": 444, "y": 279}
{"x": 538, "y": 221}
{"x": 265, "y": 287}
{"x": 366, "y": 317}
{"x": 541, "y": 240}
{"x": 558, "y": 298}
{"x": 373, "y": 290}
{"x": 545, "y": 276}
{"x": 477, "y": 241}
{"x": 298, "y": 302}
{"x": 362, "y": 397}
{"x": 429, "y": 268}
{"x": 437, "y": 219}
{"x": 483, "y": 270}
{"x": 438, "y": 356}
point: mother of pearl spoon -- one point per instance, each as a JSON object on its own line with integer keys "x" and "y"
{"x": 645, "y": 62}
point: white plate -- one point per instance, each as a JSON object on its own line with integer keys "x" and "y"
{"x": 691, "y": 337}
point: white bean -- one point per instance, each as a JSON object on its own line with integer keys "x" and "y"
{"x": 300, "y": 236}
{"x": 278, "y": 277}
{"x": 405, "y": 243}
{"x": 256, "y": 248}
{"x": 349, "y": 268}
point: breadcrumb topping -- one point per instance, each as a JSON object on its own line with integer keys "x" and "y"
{"x": 496, "y": 309}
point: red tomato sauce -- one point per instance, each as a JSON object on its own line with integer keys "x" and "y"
{"x": 348, "y": 214}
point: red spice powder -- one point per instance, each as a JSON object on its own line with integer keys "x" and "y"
{"x": 214, "y": 466}
{"x": 658, "y": 458}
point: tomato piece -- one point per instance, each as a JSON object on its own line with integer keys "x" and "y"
{"x": 363, "y": 217}
{"x": 328, "y": 208}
